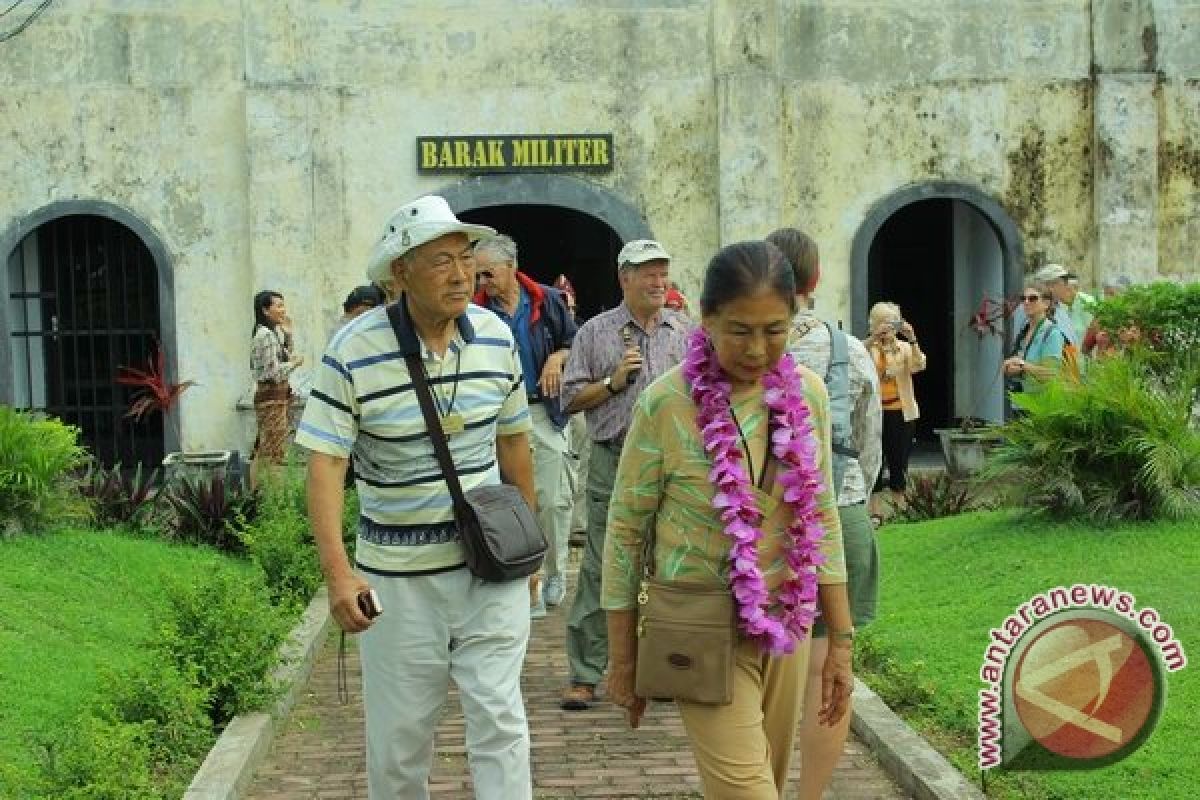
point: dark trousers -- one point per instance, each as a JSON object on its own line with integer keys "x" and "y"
{"x": 897, "y": 443}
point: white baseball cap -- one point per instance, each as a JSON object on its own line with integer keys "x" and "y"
{"x": 1050, "y": 272}
{"x": 421, "y": 221}
{"x": 639, "y": 251}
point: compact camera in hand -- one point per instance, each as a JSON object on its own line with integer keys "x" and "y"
{"x": 369, "y": 605}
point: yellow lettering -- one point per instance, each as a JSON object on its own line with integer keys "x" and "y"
{"x": 462, "y": 154}
{"x": 600, "y": 152}
{"x": 585, "y": 152}
{"x": 496, "y": 153}
{"x": 569, "y": 146}
{"x": 429, "y": 158}
{"x": 543, "y": 150}
{"x": 481, "y": 154}
{"x": 446, "y": 158}
{"x": 522, "y": 157}
{"x": 560, "y": 147}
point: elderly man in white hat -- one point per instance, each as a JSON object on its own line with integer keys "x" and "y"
{"x": 424, "y": 618}
{"x": 613, "y": 357}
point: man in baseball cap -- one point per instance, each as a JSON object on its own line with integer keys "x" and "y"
{"x": 613, "y": 357}
{"x": 433, "y": 619}
{"x": 1071, "y": 317}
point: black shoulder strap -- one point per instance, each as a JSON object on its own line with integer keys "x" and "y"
{"x": 433, "y": 423}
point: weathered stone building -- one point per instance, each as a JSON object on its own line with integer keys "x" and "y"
{"x": 164, "y": 159}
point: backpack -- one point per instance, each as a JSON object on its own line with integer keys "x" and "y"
{"x": 837, "y": 383}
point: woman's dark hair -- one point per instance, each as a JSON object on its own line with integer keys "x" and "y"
{"x": 801, "y": 250}
{"x": 742, "y": 269}
{"x": 263, "y": 301}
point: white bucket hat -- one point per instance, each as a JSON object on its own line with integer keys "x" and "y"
{"x": 421, "y": 221}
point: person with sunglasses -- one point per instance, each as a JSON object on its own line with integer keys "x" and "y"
{"x": 1038, "y": 351}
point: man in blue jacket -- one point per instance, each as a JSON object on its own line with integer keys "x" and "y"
{"x": 543, "y": 327}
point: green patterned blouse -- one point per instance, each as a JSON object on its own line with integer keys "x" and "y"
{"x": 663, "y": 477}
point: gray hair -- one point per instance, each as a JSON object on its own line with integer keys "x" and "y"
{"x": 500, "y": 245}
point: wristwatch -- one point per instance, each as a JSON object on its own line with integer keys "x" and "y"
{"x": 608, "y": 384}
{"x": 846, "y": 636}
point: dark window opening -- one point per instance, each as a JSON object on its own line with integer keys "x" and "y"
{"x": 552, "y": 240}
{"x": 83, "y": 297}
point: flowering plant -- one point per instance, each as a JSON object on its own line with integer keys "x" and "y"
{"x": 155, "y": 392}
{"x": 794, "y": 444}
{"x": 989, "y": 318}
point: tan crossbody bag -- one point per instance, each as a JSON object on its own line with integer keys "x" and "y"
{"x": 686, "y": 635}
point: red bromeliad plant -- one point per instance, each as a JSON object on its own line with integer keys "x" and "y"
{"x": 989, "y": 318}
{"x": 155, "y": 392}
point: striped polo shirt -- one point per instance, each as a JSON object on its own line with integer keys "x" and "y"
{"x": 363, "y": 404}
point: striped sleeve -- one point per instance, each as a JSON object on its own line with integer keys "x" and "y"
{"x": 514, "y": 412}
{"x": 330, "y": 421}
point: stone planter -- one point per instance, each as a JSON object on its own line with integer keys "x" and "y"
{"x": 202, "y": 465}
{"x": 966, "y": 450}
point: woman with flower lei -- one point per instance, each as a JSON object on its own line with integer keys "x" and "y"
{"x": 728, "y": 512}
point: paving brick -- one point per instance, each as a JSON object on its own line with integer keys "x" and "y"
{"x": 319, "y": 755}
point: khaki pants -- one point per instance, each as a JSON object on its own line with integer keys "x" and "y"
{"x": 552, "y": 481}
{"x": 743, "y": 750}
{"x": 581, "y": 452}
{"x": 587, "y": 625}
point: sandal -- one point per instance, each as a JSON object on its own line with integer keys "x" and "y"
{"x": 578, "y": 697}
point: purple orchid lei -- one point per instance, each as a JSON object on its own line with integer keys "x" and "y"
{"x": 794, "y": 444}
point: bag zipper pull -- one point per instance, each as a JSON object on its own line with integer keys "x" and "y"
{"x": 643, "y": 594}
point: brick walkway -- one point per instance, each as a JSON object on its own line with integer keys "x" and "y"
{"x": 319, "y": 754}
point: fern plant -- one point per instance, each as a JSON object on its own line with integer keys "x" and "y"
{"x": 1117, "y": 446}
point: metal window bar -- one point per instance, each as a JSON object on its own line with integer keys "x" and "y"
{"x": 106, "y": 317}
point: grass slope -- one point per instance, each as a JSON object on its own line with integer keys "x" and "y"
{"x": 947, "y": 582}
{"x": 73, "y": 604}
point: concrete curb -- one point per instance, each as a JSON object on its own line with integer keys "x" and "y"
{"x": 229, "y": 768}
{"x": 905, "y": 756}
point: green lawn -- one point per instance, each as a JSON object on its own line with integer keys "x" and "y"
{"x": 947, "y": 582}
{"x": 71, "y": 605}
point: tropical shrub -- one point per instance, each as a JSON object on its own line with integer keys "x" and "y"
{"x": 1164, "y": 320}
{"x": 279, "y": 542}
{"x": 934, "y": 496}
{"x": 99, "y": 759}
{"x": 207, "y": 511}
{"x": 117, "y": 496}
{"x": 226, "y": 632}
{"x": 1116, "y": 446}
{"x": 38, "y": 456}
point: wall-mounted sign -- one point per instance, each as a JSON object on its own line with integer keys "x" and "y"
{"x": 574, "y": 152}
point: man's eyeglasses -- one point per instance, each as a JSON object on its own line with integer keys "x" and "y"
{"x": 1032, "y": 298}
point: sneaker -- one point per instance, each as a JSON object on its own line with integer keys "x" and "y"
{"x": 538, "y": 609}
{"x": 554, "y": 590}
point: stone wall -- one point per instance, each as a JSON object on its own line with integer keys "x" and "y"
{"x": 265, "y": 143}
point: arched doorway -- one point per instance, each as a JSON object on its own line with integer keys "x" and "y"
{"x": 84, "y": 297}
{"x": 561, "y": 225}
{"x": 937, "y": 250}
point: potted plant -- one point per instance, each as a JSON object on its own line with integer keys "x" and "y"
{"x": 156, "y": 393}
{"x": 966, "y": 444}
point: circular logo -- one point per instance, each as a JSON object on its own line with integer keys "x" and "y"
{"x": 1085, "y": 689}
